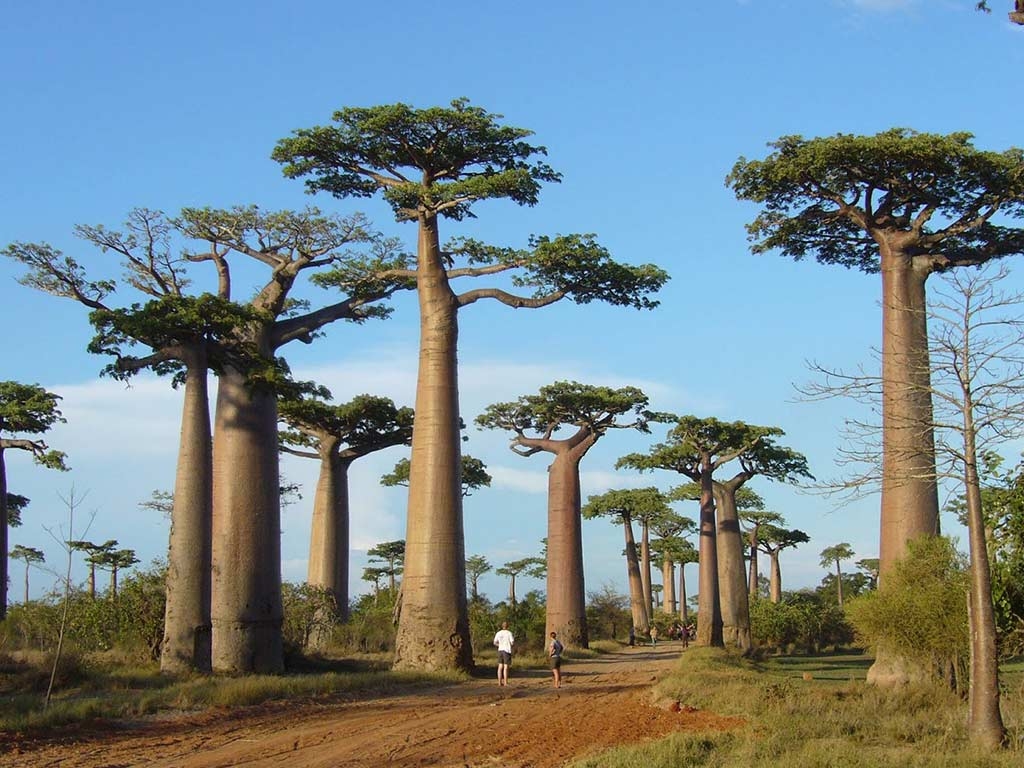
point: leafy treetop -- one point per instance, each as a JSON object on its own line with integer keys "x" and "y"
{"x": 365, "y": 424}
{"x": 628, "y": 504}
{"x": 474, "y": 474}
{"x": 840, "y": 197}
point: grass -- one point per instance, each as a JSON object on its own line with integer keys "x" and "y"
{"x": 113, "y": 691}
{"x": 817, "y": 711}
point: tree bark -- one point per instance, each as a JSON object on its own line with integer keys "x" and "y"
{"x": 985, "y": 722}
{"x": 668, "y": 569}
{"x": 4, "y": 540}
{"x": 187, "y": 630}
{"x": 909, "y": 505}
{"x": 638, "y": 603}
{"x": 329, "y": 534}
{"x": 645, "y": 565}
{"x": 246, "y": 606}
{"x": 684, "y": 611}
{"x": 433, "y": 627}
{"x": 709, "y": 607}
{"x": 732, "y": 581}
{"x": 752, "y": 573}
{"x": 775, "y": 579}
{"x": 839, "y": 584}
{"x": 566, "y": 608}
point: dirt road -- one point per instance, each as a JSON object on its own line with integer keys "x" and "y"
{"x": 602, "y": 702}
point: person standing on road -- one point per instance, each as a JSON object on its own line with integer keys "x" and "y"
{"x": 654, "y": 635}
{"x": 555, "y": 654}
{"x": 504, "y": 640}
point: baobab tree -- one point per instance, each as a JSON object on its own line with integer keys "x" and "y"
{"x": 750, "y": 510}
{"x": 590, "y": 412}
{"x": 624, "y": 506}
{"x": 389, "y": 558}
{"x": 531, "y": 566}
{"x": 476, "y": 566}
{"x": 25, "y": 409}
{"x": 904, "y": 205}
{"x": 772, "y": 540}
{"x": 115, "y": 560}
{"x": 336, "y": 435}
{"x": 430, "y": 164}
{"x": 30, "y": 556}
{"x": 670, "y": 529}
{"x": 834, "y": 555}
{"x": 94, "y": 557}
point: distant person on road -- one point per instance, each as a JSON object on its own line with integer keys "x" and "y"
{"x": 632, "y": 636}
{"x": 654, "y": 635}
{"x": 504, "y": 640}
{"x": 555, "y": 654}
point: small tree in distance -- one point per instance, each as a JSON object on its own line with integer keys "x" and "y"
{"x": 834, "y": 555}
{"x": 30, "y": 556}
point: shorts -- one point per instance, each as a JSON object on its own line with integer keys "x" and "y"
{"x": 556, "y": 662}
{"x": 504, "y": 657}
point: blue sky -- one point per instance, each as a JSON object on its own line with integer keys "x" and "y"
{"x": 644, "y": 109}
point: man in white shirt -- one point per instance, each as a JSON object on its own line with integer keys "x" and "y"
{"x": 504, "y": 640}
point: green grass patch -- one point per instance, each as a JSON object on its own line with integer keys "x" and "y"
{"x": 815, "y": 711}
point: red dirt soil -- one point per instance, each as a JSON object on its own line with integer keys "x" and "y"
{"x": 603, "y": 702}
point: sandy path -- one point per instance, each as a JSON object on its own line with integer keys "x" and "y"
{"x": 602, "y": 702}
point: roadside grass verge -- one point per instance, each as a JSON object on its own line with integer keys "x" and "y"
{"x": 815, "y": 711}
{"x": 113, "y": 692}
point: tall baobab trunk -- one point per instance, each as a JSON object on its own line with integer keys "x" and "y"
{"x": 246, "y": 607}
{"x": 668, "y": 570}
{"x": 512, "y": 590}
{"x": 187, "y": 633}
{"x": 684, "y": 611}
{"x": 26, "y": 581}
{"x": 839, "y": 584}
{"x": 985, "y": 722}
{"x": 566, "y": 609}
{"x": 732, "y": 581}
{"x": 433, "y": 627}
{"x": 4, "y": 559}
{"x": 752, "y": 573}
{"x": 775, "y": 579}
{"x": 709, "y": 607}
{"x": 329, "y": 534}
{"x": 638, "y": 604}
{"x": 910, "y": 505}
{"x": 645, "y": 565}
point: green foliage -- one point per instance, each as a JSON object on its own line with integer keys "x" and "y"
{"x": 920, "y": 611}
{"x": 628, "y": 504}
{"x": 474, "y": 475}
{"x": 309, "y": 612}
{"x": 371, "y": 627}
{"x": 27, "y": 408}
{"x": 462, "y": 150}
{"x": 16, "y": 503}
{"x": 608, "y": 615}
{"x": 825, "y": 196}
{"x": 800, "y": 622}
{"x": 363, "y": 425}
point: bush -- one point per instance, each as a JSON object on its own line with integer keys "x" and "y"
{"x": 803, "y": 621}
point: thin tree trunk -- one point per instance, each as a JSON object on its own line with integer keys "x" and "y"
{"x": 684, "y": 611}
{"x": 775, "y": 579}
{"x": 566, "y": 608}
{"x": 433, "y": 628}
{"x": 668, "y": 580}
{"x": 709, "y": 608}
{"x": 92, "y": 581}
{"x": 752, "y": 573}
{"x": 26, "y": 582}
{"x": 638, "y": 604}
{"x": 4, "y": 540}
{"x": 985, "y": 722}
{"x": 732, "y": 581}
{"x": 512, "y": 591}
{"x": 329, "y": 533}
{"x": 246, "y": 606}
{"x": 839, "y": 584}
{"x": 187, "y": 633}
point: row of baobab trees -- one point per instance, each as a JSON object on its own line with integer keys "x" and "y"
{"x": 900, "y": 204}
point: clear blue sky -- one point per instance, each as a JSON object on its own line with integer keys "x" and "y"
{"x": 644, "y": 108}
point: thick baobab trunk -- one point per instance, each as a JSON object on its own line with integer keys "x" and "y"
{"x": 910, "y": 504}
{"x": 985, "y": 721}
{"x": 775, "y": 579}
{"x": 752, "y": 572}
{"x": 668, "y": 569}
{"x": 246, "y": 607}
{"x": 732, "y": 580}
{"x": 187, "y": 633}
{"x": 645, "y": 565}
{"x": 4, "y": 559}
{"x": 566, "y": 608}
{"x": 433, "y": 627}
{"x": 638, "y": 604}
{"x": 709, "y": 607}
{"x": 329, "y": 534}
